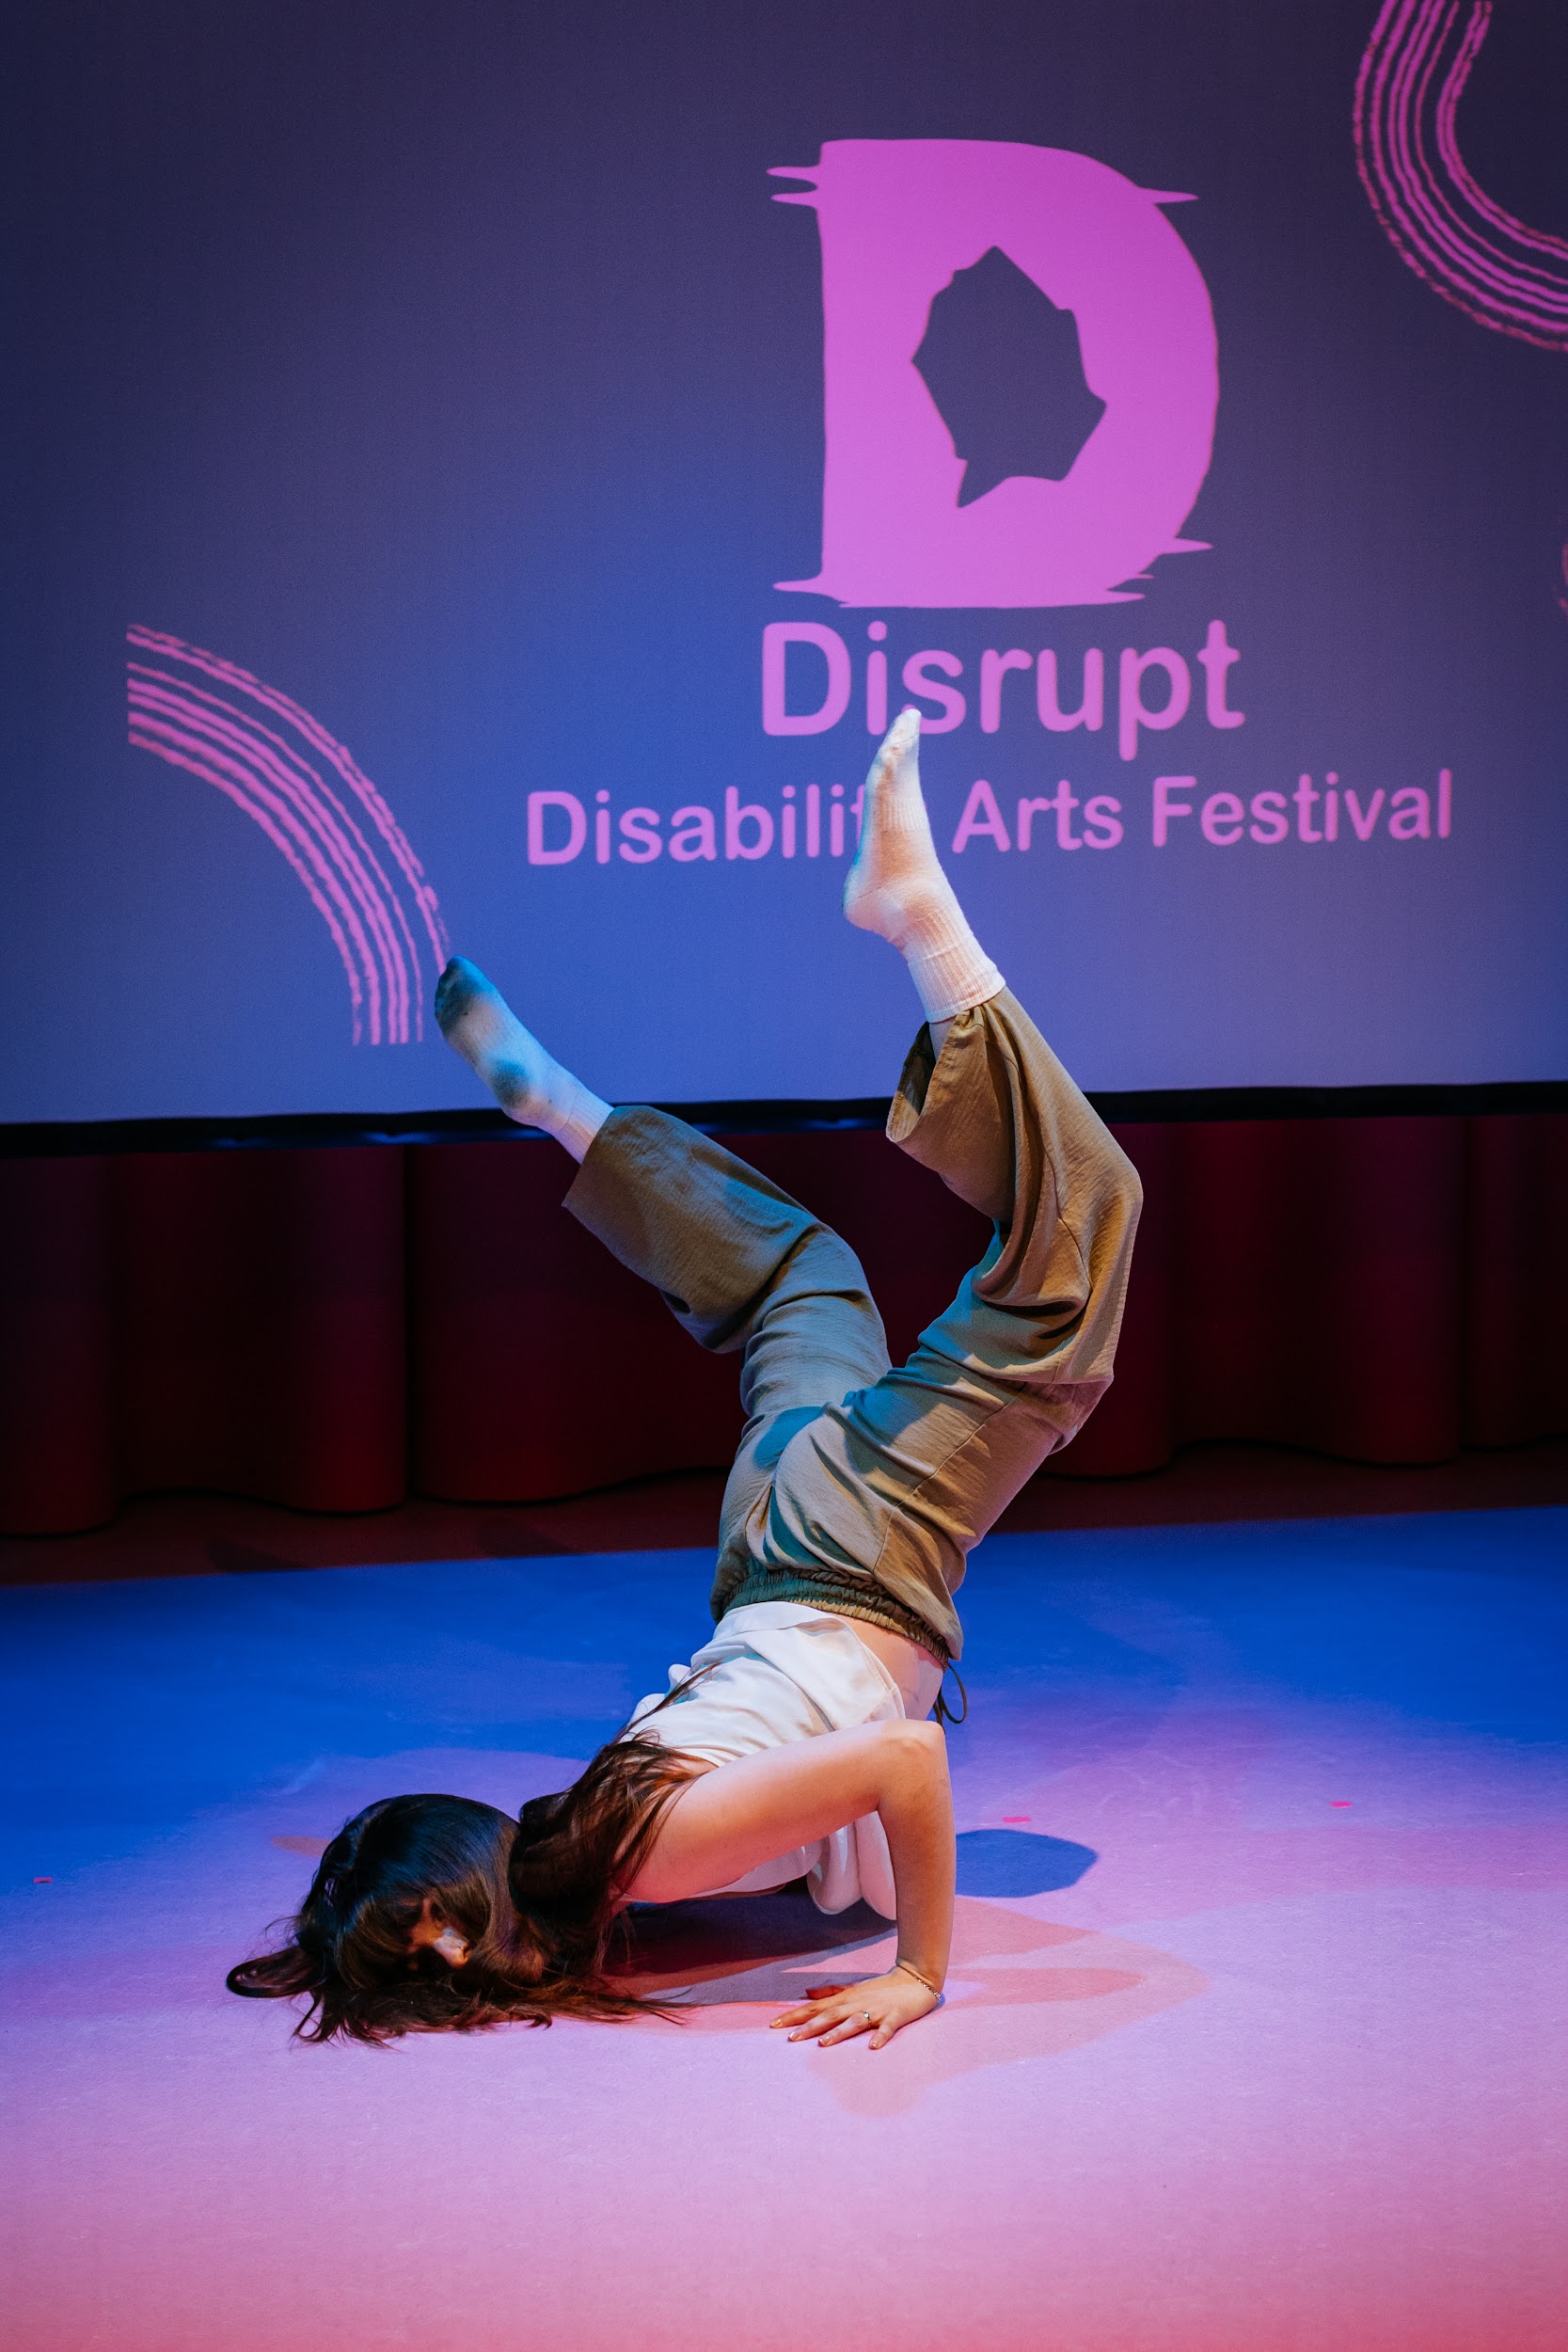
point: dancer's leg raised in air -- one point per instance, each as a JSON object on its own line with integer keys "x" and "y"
{"x": 902, "y": 1477}
{"x": 529, "y": 1085}
{"x": 897, "y": 887}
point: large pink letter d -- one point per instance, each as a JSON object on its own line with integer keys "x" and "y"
{"x": 897, "y": 218}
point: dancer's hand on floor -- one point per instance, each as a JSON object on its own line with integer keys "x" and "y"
{"x": 879, "y": 2007}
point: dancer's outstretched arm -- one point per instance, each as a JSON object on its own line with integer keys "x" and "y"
{"x": 733, "y": 1818}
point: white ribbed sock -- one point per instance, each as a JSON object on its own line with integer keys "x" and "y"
{"x": 896, "y": 888}
{"x": 529, "y": 1085}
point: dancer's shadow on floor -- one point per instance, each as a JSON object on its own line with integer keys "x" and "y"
{"x": 1021, "y": 1986}
{"x": 695, "y": 1943}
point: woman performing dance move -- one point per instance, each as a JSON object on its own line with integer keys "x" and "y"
{"x": 797, "y": 1744}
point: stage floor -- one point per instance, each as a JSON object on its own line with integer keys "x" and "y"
{"x": 1256, "y": 2041}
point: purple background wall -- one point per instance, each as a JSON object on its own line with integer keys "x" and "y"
{"x": 453, "y": 375}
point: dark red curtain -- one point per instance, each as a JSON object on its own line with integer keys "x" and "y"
{"x": 333, "y": 1330}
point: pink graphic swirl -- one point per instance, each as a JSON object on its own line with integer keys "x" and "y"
{"x": 269, "y": 756}
{"x": 1435, "y": 214}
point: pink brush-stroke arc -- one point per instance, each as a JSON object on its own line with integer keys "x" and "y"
{"x": 1497, "y": 269}
{"x": 1537, "y": 240}
{"x": 318, "y": 808}
{"x": 229, "y": 673}
{"x": 170, "y": 717}
{"x": 266, "y": 774}
{"x": 324, "y": 800}
{"x": 1393, "y": 105}
{"x": 1495, "y": 275}
{"x": 1411, "y": 196}
{"x": 352, "y": 853}
{"x": 303, "y": 723}
{"x": 250, "y": 789}
{"x": 209, "y": 774}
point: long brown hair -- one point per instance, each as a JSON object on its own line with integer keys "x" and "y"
{"x": 538, "y": 1901}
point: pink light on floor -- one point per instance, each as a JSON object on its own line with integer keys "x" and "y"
{"x": 276, "y": 774}
{"x": 1437, "y": 217}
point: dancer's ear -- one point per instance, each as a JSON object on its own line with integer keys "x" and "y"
{"x": 432, "y": 1933}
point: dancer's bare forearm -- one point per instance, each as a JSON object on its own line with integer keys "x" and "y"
{"x": 730, "y": 1818}
{"x": 918, "y": 1815}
